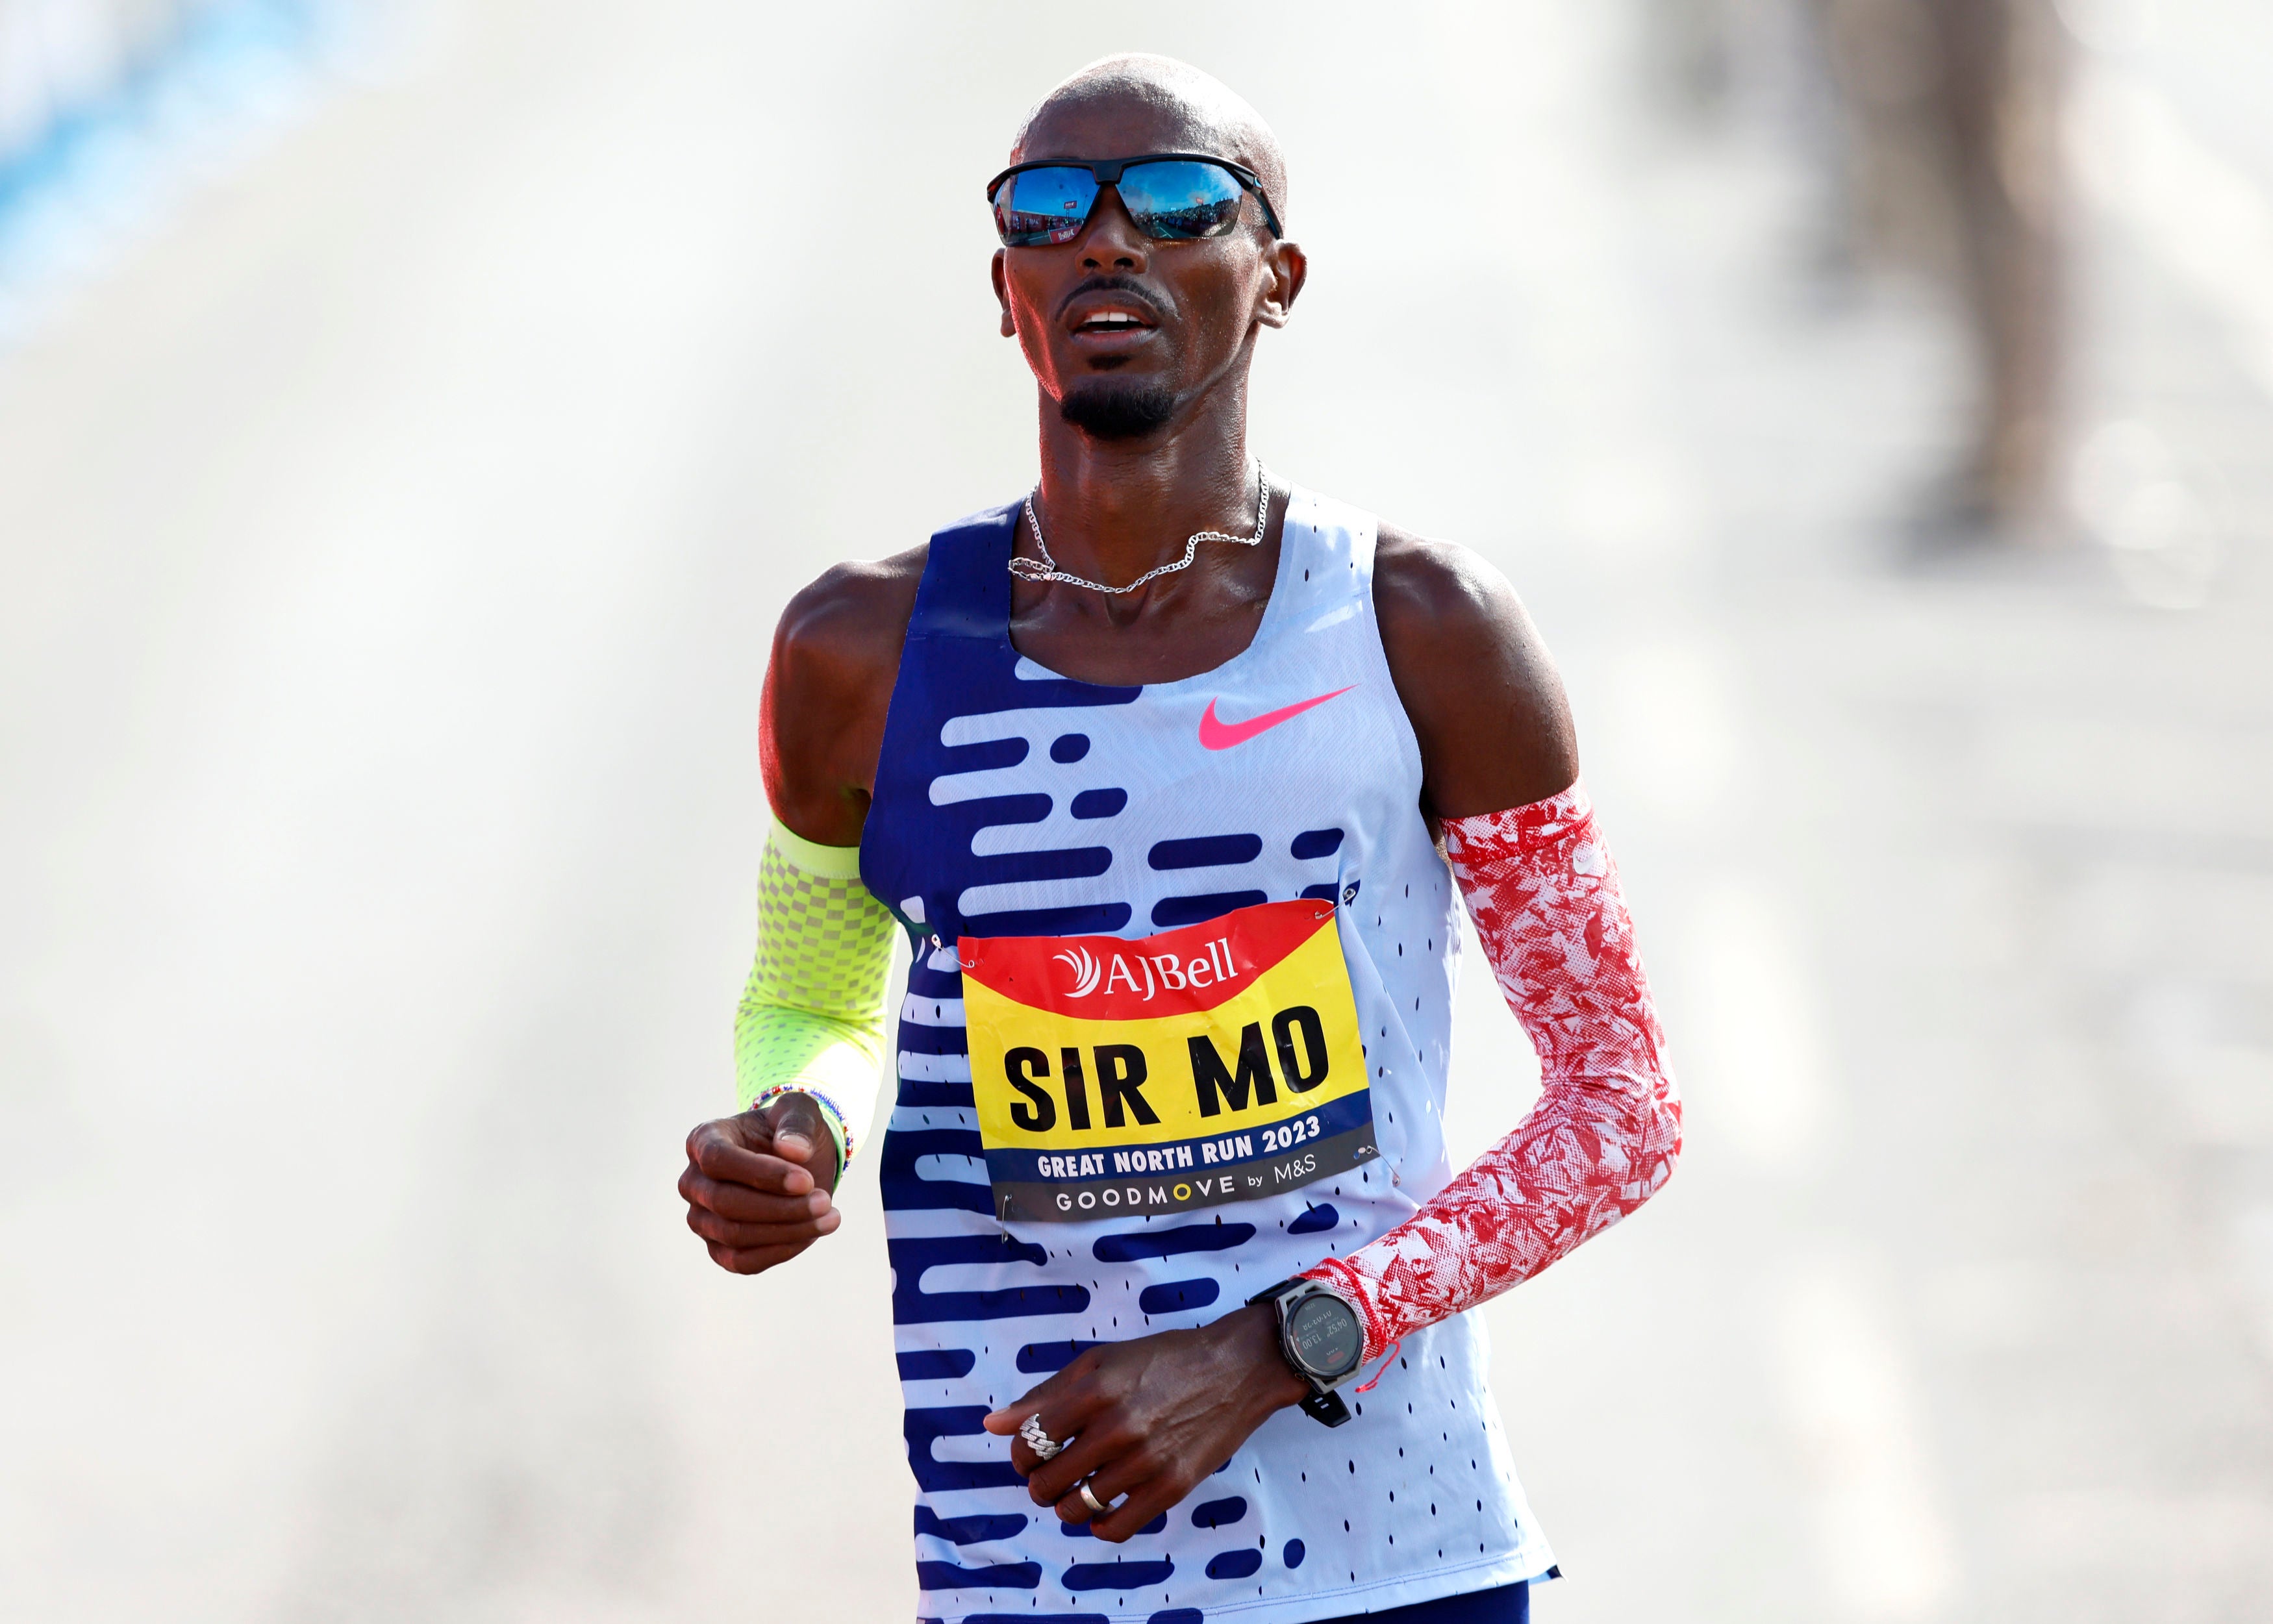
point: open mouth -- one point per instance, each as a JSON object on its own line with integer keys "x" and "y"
{"x": 1105, "y": 322}
{"x": 1110, "y": 313}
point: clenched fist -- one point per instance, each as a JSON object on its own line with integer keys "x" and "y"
{"x": 757, "y": 1185}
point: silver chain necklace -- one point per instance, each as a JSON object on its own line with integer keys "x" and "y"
{"x": 1045, "y": 568}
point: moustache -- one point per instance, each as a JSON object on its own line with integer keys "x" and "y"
{"x": 1152, "y": 301}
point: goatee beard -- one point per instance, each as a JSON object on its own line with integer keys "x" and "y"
{"x": 1111, "y": 409}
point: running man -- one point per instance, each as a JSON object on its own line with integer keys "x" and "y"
{"x": 1168, "y": 773}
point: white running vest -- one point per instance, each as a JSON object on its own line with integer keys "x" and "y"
{"x": 1011, "y": 802}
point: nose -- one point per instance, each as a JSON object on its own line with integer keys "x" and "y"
{"x": 1112, "y": 241}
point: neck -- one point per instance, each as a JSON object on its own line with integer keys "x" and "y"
{"x": 1113, "y": 509}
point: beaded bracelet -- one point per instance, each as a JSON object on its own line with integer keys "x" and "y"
{"x": 832, "y": 1116}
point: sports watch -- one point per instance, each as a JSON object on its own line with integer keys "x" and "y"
{"x": 1322, "y": 1340}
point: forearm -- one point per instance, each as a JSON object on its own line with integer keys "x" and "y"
{"x": 1606, "y": 1131}
{"x": 812, "y": 1016}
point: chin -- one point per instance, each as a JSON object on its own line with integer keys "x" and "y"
{"x": 1118, "y": 409}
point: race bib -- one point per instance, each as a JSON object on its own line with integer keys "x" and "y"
{"x": 1216, "y": 1063}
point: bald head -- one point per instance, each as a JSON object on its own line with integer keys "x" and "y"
{"x": 1169, "y": 106}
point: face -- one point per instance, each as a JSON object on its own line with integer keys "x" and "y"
{"x": 1126, "y": 333}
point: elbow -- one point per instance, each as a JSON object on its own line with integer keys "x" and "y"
{"x": 1646, "y": 1130}
{"x": 1661, "y": 1133}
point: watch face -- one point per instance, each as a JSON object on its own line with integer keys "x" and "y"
{"x": 1323, "y": 1334}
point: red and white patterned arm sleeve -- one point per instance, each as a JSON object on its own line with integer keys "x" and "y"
{"x": 1606, "y": 1131}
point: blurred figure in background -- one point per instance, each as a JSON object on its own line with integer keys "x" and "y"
{"x": 1999, "y": 104}
{"x": 1952, "y": 111}
{"x": 1939, "y": 124}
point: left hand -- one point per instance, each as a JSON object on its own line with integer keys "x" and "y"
{"x": 1151, "y": 1418}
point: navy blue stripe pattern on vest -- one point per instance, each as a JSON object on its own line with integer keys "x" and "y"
{"x": 1012, "y": 801}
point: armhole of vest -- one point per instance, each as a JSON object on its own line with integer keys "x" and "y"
{"x": 1366, "y": 543}
{"x": 950, "y": 602}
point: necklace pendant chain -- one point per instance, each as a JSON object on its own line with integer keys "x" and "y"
{"x": 1045, "y": 568}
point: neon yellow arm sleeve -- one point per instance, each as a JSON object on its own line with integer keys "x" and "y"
{"x": 812, "y": 1017}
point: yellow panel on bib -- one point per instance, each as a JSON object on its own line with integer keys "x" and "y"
{"x": 1220, "y": 1062}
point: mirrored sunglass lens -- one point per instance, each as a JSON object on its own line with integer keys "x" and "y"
{"x": 1180, "y": 198}
{"x": 1044, "y": 206}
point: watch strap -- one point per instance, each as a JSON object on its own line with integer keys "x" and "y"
{"x": 1272, "y": 1294}
{"x": 1327, "y": 1407}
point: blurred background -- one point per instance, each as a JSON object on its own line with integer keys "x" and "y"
{"x": 413, "y": 416}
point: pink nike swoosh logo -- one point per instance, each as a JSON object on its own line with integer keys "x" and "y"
{"x": 1218, "y": 735}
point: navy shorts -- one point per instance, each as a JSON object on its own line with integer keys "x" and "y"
{"x": 1506, "y": 1604}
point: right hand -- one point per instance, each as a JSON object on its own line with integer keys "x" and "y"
{"x": 757, "y": 1185}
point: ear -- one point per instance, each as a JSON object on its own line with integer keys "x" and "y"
{"x": 1003, "y": 298}
{"x": 1285, "y": 268}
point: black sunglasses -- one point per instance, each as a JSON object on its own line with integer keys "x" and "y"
{"x": 1173, "y": 196}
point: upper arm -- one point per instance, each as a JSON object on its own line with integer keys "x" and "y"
{"x": 1475, "y": 680}
{"x": 829, "y": 688}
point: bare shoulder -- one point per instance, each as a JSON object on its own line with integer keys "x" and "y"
{"x": 1475, "y": 676}
{"x": 1417, "y": 579}
{"x": 852, "y": 612}
{"x": 828, "y": 687}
